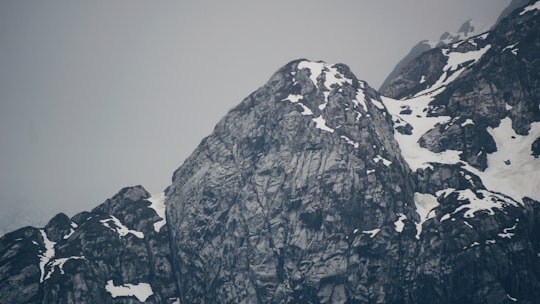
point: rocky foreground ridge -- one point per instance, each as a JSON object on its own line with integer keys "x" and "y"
{"x": 318, "y": 189}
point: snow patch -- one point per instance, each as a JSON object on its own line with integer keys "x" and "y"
{"x": 47, "y": 255}
{"x": 455, "y": 65}
{"x": 293, "y": 98}
{"x": 158, "y": 204}
{"x": 350, "y": 142}
{"x": 467, "y": 122}
{"x": 60, "y": 264}
{"x": 482, "y": 201}
{"x": 120, "y": 228}
{"x": 320, "y": 123}
{"x": 385, "y": 161}
{"x": 416, "y": 156}
{"x": 530, "y": 8}
{"x": 425, "y": 205}
{"x": 511, "y": 298}
{"x": 512, "y": 49}
{"x": 514, "y": 179}
{"x": 360, "y": 100}
{"x": 399, "y": 223}
{"x": 507, "y": 232}
{"x": 141, "y": 291}
{"x": 373, "y": 233}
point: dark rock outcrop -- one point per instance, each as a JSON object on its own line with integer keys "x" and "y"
{"x": 91, "y": 257}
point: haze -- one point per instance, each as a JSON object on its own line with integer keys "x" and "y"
{"x": 99, "y": 95}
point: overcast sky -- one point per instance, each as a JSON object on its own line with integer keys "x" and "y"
{"x": 99, "y": 95}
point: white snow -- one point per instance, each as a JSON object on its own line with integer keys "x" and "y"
{"x": 372, "y": 233}
{"x": 46, "y": 256}
{"x": 445, "y": 217}
{"x": 513, "y": 179}
{"x": 425, "y": 203}
{"x": 529, "y": 8}
{"x": 158, "y": 204}
{"x": 399, "y": 223}
{"x": 517, "y": 179}
{"x": 141, "y": 291}
{"x": 467, "y": 122}
{"x": 320, "y": 123}
{"x": 507, "y": 232}
{"x": 483, "y": 201}
{"x": 360, "y": 99}
{"x": 511, "y": 298}
{"x": 120, "y": 228}
{"x": 377, "y": 103}
{"x": 315, "y": 69}
{"x": 423, "y": 79}
{"x": 60, "y": 263}
{"x": 385, "y": 161}
{"x": 454, "y": 66}
{"x": 350, "y": 142}
{"x": 305, "y": 110}
{"x": 369, "y": 171}
{"x": 331, "y": 76}
{"x": 512, "y": 49}
{"x": 71, "y": 231}
{"x": 416, "y": 156}
{"x": 293, "y": 98}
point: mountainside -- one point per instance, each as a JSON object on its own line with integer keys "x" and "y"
{"x": 468, "y": 29}
{"x": 316, "y": 188}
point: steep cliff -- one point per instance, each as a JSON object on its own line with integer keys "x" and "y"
{"x": 318, "y": 189}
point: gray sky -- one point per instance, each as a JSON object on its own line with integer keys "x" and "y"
{"x": 98, "y": 95}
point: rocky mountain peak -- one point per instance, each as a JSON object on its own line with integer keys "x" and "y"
{"x": 317, "y": 189}
{"x": 300, "y": 169}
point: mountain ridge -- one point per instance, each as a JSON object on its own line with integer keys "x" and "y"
{"x": 316, "y": 188}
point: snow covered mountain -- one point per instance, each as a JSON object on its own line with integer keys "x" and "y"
{"x": 316, "y": 188}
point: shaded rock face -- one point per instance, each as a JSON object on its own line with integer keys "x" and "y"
{"x": 73, "y": 260}
{"x": 272, "y": 206}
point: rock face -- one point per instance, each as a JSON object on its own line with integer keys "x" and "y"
{"x": 478, "y": 94}
{"x": 318, "y": 189}
{"x": 114, "y": 250}
{"x": 468, "y": 29}
{"x": 280, "y": 212}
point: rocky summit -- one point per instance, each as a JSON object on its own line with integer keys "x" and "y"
{"x": 316, "y": 188}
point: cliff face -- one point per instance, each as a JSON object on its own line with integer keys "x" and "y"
{"x": 482, "y": 80}
{"x": 318, "y": 189}
{"x": 299, "y": 194}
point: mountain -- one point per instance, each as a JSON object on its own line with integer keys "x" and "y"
{"x": 468, "y": 29}
{"x": 317, "y": 188}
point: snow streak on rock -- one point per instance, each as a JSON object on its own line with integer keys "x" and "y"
{"x": 60, "y": 264}
{"x": 47, "y": 255}
{"x": 158, "y": 204}
{"x": 115, "y": 225}
{"x": 425, "y": 205}
{"x": 141, "y": 291}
